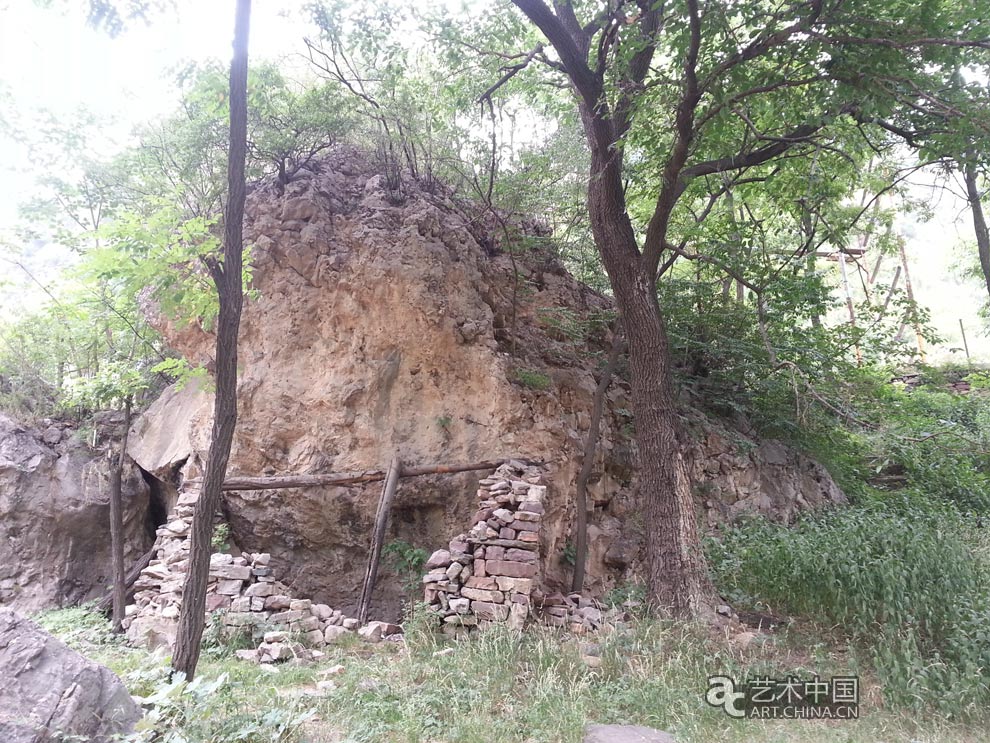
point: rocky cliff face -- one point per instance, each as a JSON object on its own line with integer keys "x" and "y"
{"x": 55, "y": 517}
{"x": 385, "y": 324}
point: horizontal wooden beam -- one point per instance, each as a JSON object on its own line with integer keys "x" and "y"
{"x": 280, "y": 482}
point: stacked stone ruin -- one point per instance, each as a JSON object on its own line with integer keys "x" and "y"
{"x": 487, "y": 574}
{"x": 491, "y": 574}
{"x": 244, "y": 592}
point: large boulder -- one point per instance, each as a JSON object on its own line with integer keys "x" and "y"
{"x": 55, "y": 517}
{"x": 383, "y": 323}
{"x": 50, "y": 692}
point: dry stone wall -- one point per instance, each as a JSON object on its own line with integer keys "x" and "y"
{"x": 494, "y": 572}
{"x": 487, "y": 574}
{"x": 243, "y": 592}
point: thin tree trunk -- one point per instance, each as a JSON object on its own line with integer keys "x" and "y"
{"x": 588, "y": 463}
{"x": 378, "y": 537}
{"x": 228, "y": 280}
{"x": 850, "y": 307}
{"x": 117, "y": 526}
{"x": 979, "y": 221}
{"x": 909, "y": 290}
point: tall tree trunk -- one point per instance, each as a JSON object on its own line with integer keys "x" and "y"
{"x": 117, "y": 526}
{"x": 228, "y": 280}
{"x": 678, "y": 578}
{"x": 979, "y": 221}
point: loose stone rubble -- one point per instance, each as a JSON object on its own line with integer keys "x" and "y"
{"x": 244, "y": 593}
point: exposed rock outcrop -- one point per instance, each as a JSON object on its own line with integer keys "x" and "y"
{"x": 54, "y": 517}
{"x": 49, "y": 692}
{"x": 381, "y": 327}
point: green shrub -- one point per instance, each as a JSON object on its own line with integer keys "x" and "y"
{"x": 904, "y": 579}
{"x": 211, "y": 710}
{"x": 533, "y": 379}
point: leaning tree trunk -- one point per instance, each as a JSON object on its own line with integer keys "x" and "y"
{"x": 117, "y": 526}
{"x": 227, "y": 277}
{"x": 979, "y": 221}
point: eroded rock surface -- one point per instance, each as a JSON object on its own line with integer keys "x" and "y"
{"x": 49, "y": 692}
{"x": 386, "y": 326}
{"x": 55, "y": 517}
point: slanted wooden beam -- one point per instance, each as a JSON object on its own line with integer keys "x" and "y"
{"x": 279, "y": 482}
{"x": 378, "y": 537}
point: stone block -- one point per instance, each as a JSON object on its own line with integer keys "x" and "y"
{"x": 490, "y": 611}
{"x": 521, "y": 526}
{"x": 314, "y": 638}
{"x": 439, "y": 559}
{"x": 229, "y": 587}
{"x": 520, "y": 555}
{"x": 460, "y": 606}
{"x": 300, "y": 605}
{"x": 454, "y": 570}
{"x": 308, "y": 624}
{"x": 260, "y": 589}
{"x": 520, "y": 585}
{"x": 511, "y": 569}
{"x": 528, "y": 516}
{"x": 531, "y": 507}
{"x": 277, "y": 602}
{"x": 506, "y": 533}
{"x": 230, "y": 572}
{"x": 321, "y": 611}
{"x": 350, "y": 623}
{"x": 503, "y": 514}
{"x": 215, "y": 602}
{"x": 529, "y": 537}
{"x": 333, "y": 633}
{"x": 478, "y": 594}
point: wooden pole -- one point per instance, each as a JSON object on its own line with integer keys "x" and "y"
{"x": 962, "y": 329}
{"x": 587, "y": 464}
{"x": 378, "y": 536}
{"x": 279, "y": 482}
{"x": 119, "y": 590}
{"x": 105, "y": 603}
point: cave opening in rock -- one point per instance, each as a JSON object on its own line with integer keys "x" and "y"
{"x": 162, "y": 495}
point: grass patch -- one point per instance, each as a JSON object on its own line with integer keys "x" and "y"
{"x": 907, "y": 581}
{"x": 504, "y": 687}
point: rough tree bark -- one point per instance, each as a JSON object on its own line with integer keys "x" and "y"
{"x": 117, "y": 526}
{"x": 979, "y": 220}
{"x": 228, "y": 279}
